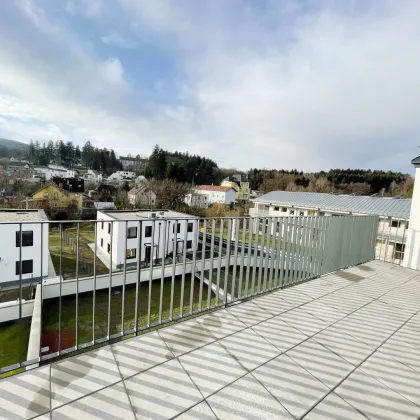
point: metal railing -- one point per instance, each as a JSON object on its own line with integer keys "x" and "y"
{"x": 391, "y": 240}
{"x": 172, "y": 268}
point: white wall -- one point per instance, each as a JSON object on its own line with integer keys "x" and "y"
{"x": 120, "y": 242}
{"x": 10, "y": 253}
{"x": 219, "y": 197}
{"x": 412, "y": 248}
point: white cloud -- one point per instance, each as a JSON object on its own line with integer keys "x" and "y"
{"x": 88, "y": 8}
{"x": 306, "y": 88}
{"x": 118, "y": 40}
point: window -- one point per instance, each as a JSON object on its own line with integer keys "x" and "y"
{"x": 189, "y": 244}
{"x": 109, "y": 248}
{"x": 148, "y": 232}
{"x": 27, "y": 267}
{"x": 102, "y": 242}
{"x": 190, "y": 227}
{"x": 27, "y": 238}
{"x": 130, "y": 253}
{"x": 301, "y": 213}
{"x": 284, "y": 209}
{"x": 321, "y": 213}
{"x": 267, "y": 208}
{"x": 132, "y": 232}
{"x": 45, "y": 195}
{"x": 178, "y": 228}
{"x": 276, "y": 208}
{"x": 292, "y": 212}
{"x": 395, "y": 224}
{"x": 399, "y": 251}
{"x": 102, "y": 225}
{"x": 109, "y": 227}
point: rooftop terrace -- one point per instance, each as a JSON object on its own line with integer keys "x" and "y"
{"x": 344, "y": 346}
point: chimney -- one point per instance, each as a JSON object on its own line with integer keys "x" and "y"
{"x": 412, "y": 245}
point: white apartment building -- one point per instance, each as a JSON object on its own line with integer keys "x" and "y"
{"x": 144, "y": 235}
{"x": 92, "y": 175}
{"x": 217, "y": 194}
{"x": 122, "y": 176}
{"x": 24, "y": 246}
{"x": 197, "y": 200}
{"x": 393, "y": 214}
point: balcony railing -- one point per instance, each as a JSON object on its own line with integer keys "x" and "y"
{"x": 168, "y": 273}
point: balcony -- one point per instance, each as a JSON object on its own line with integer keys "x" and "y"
{"x": 346, "y": 345}
{"x": 289, "y": 332}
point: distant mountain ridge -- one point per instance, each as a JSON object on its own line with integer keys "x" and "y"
{"x": 13, "y": 144}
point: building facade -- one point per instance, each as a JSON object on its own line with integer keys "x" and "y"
{"x": 217, "y": 194}
{"x": 393, "y": 214}
{"x": 61, "y": 193}
{"x": 133, "y": 236}
{"x": 142, "y": 195}
{"x": 412, "y": 249}
{"x": 240, "y": 183}
{"x": 24, "y": 247}
{"x": 197, "y": 200}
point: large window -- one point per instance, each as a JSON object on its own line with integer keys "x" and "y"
{"x": 102, "y": 225}
{"x": 292, "y": 212}
{"x": 27, "y": 267}
{"x": 148, "y": 232}
{"x": 178, "y": 228}
{"x": 190, "y": 226}
{"x": 109, "y": 227}
{"x": 276, "y": 208}
{"x": 130, "y": 253}
{"x": 189, "y": 244}
{"x": 132, "y": 232}
{"x": 27, "y": 238}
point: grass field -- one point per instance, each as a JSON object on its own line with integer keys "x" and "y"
{"x": 68, "y": 257}
{"x": 13, "y": 343}
{"x": 85, "y": 306}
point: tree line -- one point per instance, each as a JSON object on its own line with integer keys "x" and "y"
{"x": 68, "y": 155}
{"x": 338, "y": 181}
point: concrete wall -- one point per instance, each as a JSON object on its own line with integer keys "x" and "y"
{"x": 10, "y": 253}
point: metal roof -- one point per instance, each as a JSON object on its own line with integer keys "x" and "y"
{"x": 416, "y": 160}
{"x": 383, "y": 206}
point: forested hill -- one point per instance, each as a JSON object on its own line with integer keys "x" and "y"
{"x": 341, "y": 181}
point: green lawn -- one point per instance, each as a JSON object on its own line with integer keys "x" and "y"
{"x": 85, "y": 304}
{"x": 13, "y": 294}
{"x": 68, "y": 258}
{"x": 13, "y": 344}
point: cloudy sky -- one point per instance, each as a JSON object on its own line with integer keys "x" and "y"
{"x": 308, "y": 84}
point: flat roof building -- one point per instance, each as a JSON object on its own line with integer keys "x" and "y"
{"x": 24, "y": 246}
{"x": 144, "y": 235}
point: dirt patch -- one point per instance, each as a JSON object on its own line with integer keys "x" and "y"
{"x": 364, "y": 268}
{"x": 50, "y": 339}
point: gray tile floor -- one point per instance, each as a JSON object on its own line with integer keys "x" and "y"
{"x": 345, "y": 346}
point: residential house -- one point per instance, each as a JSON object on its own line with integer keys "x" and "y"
{"x": 393, "y": 213}
{"x": 197, "y": 200}
{"x": 217, "y": 194}
{"x": 142, "y": 195}
{"x": 52, "y": 170}
{"x": 133, "y": 164}
{"x": 60, "y": 193}
{"x": 104, "y": 205}
{"x": 240, "y": 183}
{"x": 92, "y": 175}
{"x": 24, "y": 253}
{"x": 122, "y": 176}
{"x": 20, "y": 170}
{"x": 142, "y": 236}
